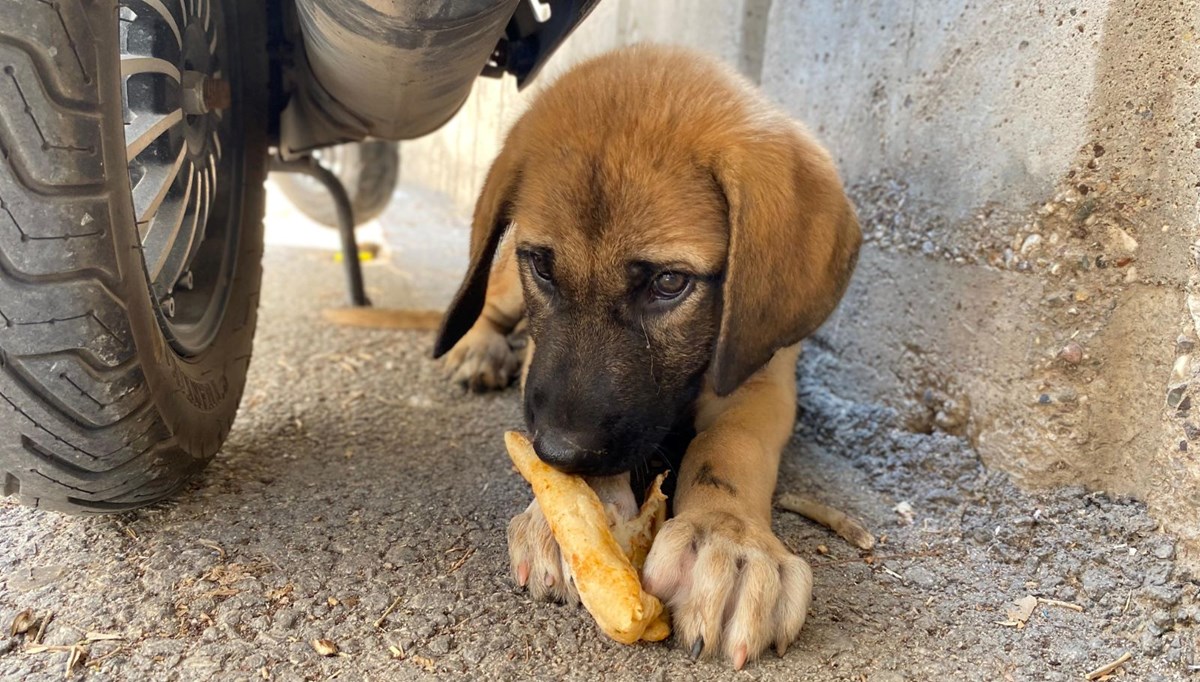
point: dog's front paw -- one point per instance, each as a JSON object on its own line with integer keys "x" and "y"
{"x": 483, "y": 360}
{"x": 731, "y": 585}
{"x": 535, "y": 559}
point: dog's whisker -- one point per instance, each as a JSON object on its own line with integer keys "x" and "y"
{"x": 666, "y": 458}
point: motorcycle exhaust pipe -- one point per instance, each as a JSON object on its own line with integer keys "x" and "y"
{"x": 389, "y": 69}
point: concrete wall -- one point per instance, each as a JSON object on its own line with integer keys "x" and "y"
{"x": 1027, "y": 179}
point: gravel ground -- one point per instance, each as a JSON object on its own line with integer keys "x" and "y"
{"x": 356, "y": 480}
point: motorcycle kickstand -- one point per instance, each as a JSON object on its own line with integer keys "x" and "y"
{"x": 345, "y": 215}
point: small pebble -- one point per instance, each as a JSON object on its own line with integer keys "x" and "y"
{"x": 1031, "y": 242}
{"x": 1096, "y": 583}
{"x": 440, "y": 645}
{"x": 921, "y": 577}
{"x": 1164, "y": 550}
{"x": 1072, "y": 353}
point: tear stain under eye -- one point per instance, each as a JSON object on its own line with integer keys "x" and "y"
{"x": 642, "y": 322}
{"x": 653, "y": 381}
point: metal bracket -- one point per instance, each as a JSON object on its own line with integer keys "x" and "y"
{"x": 345, "y": 212}
{"x": 530, "y": 39}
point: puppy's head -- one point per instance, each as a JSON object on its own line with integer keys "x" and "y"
{"x": 670, "y": 230}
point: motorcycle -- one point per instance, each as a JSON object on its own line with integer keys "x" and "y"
{"x": 135, "y": 138}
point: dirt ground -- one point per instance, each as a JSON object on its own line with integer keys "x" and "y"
{"x": 363, "y": 500}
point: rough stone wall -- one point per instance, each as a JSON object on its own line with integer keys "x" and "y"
{"x": 1027, "y": 179}
{"x": 1030, "y": 280}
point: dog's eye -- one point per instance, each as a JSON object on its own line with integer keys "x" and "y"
{"x": 541, "y": 264}
{"x": 669, "y": 285}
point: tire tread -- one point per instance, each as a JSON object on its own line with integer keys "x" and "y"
{"x": 79, "y": 431}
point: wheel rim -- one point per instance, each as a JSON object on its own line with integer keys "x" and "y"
{"x": 178, "y": 73}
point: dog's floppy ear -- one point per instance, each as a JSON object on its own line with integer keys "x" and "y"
{"x": 491, "y": 220}
{"x": 793, "y": 243}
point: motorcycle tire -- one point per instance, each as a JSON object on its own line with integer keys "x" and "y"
{"x": 368, "y": 170}
{"x": 133, "y": 152}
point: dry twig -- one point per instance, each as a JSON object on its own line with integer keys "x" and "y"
{"x": 871, "y": 559}
{"x": 379, "y": 622}
{"x": 1060, "y": 604}
{"x": 462, "y": 560}
{"x": 210, "y": 544}
{"x": 848, "y": 528}
{"x": 37, "y": 639}
{"x": 95, "y": 662}
{"x": 43, "y": 648}
{"x": 1108, "y": 667}
{"x": 78, "y": 653}
{"x": 384, "y": 318}
{"x": 103, "y": 636}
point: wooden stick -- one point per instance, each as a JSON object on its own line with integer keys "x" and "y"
{"x": 385, "y": 318}
{"x": 95, "y": 662}
{"x": 37, "y": 639}
{"x": 848, "y": 528}
{"x": 103, "y": 636}
{"x": 1062, "y": 604}
{"x": 77, "y": 654}
{"x": 43, "y": 648}
{"x": 379, "y": 623}
{"x": 872, "y": 559}
{"x": 1108, "y": 667}
{"x": 463, "y": 559}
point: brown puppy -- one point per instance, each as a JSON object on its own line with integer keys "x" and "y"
{"x": 670, "y": 237}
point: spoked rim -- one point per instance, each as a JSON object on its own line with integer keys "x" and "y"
{"x": 178, "y": 73}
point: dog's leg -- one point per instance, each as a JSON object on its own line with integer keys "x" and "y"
{"x": 731, "y": 584}
{"x": 533, "y": 552}
{"x": 535, "y": 560}
{"x": 483, "y": 359}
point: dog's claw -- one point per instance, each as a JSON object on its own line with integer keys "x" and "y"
{"x": 697, "y": 647}
{"x": 549, "y": 580}
{"x": 522, "y": 573}
{"x": 739, "y": 656}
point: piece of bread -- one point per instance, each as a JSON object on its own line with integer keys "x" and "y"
{"x": 606, "y": 579}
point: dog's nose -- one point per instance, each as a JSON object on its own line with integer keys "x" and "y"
{"x": 571, "y": 452}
